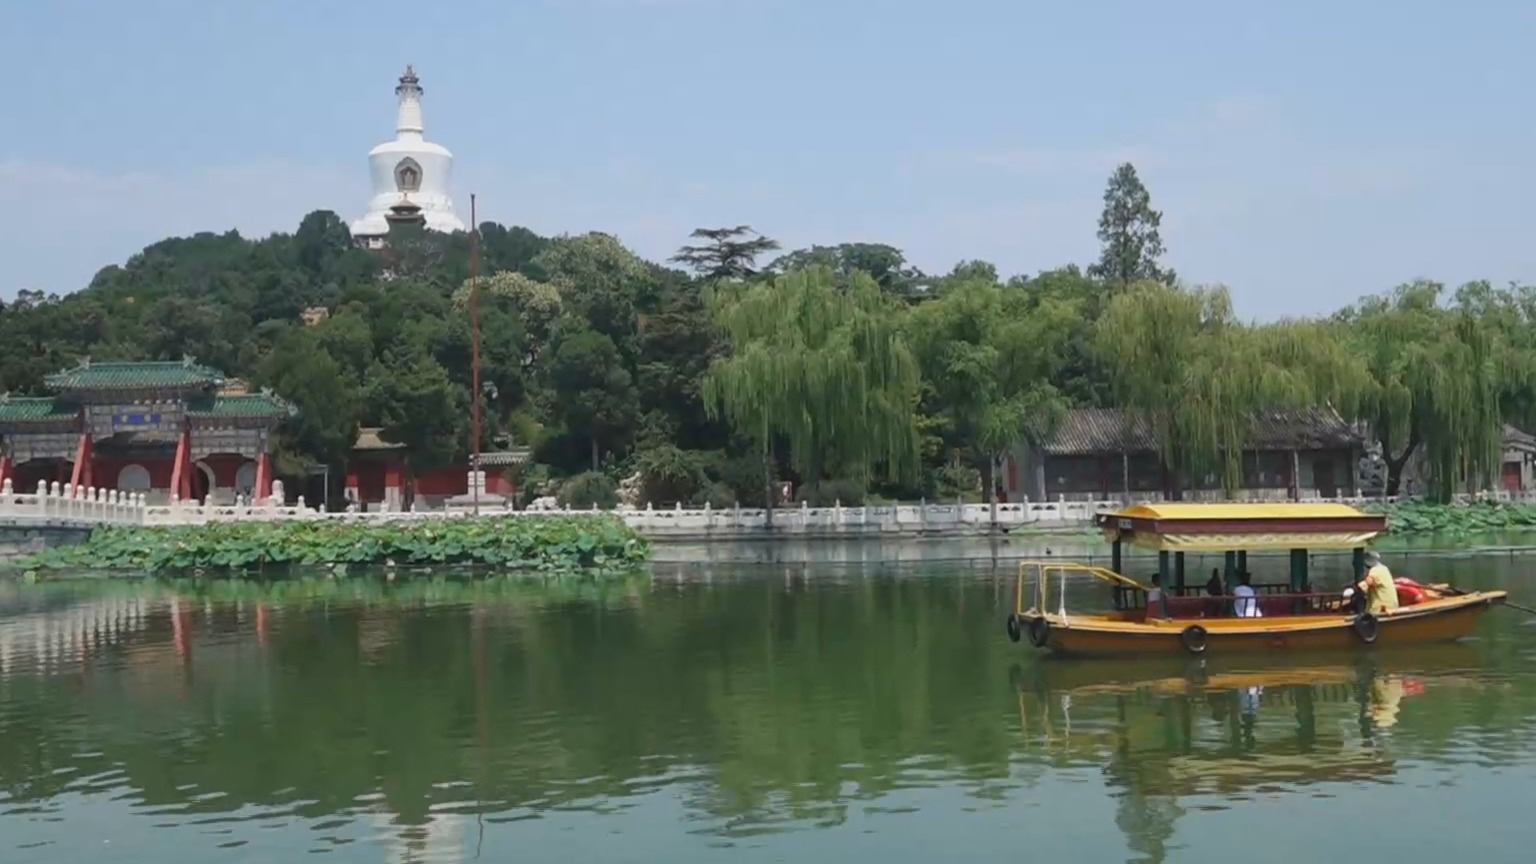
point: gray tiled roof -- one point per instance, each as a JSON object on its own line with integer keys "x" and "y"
{"x": 1518, "y": 437}
{"x": 1091, "y": 431}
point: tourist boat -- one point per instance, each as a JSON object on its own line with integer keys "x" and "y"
{"x": 1189, "y": 620}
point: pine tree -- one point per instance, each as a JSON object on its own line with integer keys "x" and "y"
{"x": 1128, "y": 230}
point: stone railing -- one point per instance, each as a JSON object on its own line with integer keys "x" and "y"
{"x": 57, "y": 504}
{"x": 66, "y": 505}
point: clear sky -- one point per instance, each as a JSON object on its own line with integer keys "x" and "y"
{"x": 1303, "y": 153}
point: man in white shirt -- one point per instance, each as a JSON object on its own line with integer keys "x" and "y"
{"x": 1247, "y": 603}
{"x": 1156, "y": 608}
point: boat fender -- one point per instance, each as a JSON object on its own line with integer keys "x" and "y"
{"x": 1366, "y": 627}
{"x": 1194, "y": 638}
{"x": 1039, "y": 632}
{"x": 1013, "y": 628}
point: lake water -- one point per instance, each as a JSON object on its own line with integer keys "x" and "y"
{"x": 732, "y": 713}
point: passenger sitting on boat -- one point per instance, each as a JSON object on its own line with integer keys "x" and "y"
{"x": 1247, "y": 605}
{"x": 1157, "y": 607}
{"x": 1214, "y": 587}
{"x": 1377, "y": 586}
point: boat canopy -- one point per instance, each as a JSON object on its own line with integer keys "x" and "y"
{"x": 1181, "y": 527}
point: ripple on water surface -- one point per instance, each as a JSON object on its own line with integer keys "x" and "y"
{"x": 756, "y": 712}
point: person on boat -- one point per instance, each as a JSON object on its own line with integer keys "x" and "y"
{"x": 1157, "y": 606}
{"x": 1247, "y": 604}
{"x": 1216, "y": 606}
{"x": 1214, "y": 587}
{"x": 1377, "y": 586}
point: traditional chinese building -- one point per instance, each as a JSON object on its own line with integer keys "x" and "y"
{"x": 167, "y": 429}
{"x": 379, "y": 477}
{"x": 1106, "y": 453}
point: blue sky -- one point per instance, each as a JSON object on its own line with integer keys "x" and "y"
{"x": 1303, "y": 153}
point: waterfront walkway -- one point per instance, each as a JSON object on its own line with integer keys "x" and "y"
{"x": 63, "y": 507}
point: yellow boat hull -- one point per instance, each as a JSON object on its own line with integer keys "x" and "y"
{"x": 1442, "y": 620}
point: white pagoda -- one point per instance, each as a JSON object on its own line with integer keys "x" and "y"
{"x": 410, "y": 175}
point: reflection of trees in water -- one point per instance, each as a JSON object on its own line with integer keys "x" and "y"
{"x": 755, "y": 702}
{"x": 760, "y": 703}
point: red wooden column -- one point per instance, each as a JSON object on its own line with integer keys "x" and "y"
{"x": 84, "y": 454}
{"x": 263, "y": 476}
{"x": 352, "y": 491}
{"x": 6, "y": 467}
{"x": 181, "y": 468}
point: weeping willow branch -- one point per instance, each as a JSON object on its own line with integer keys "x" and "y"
{"x": 1201, "y": 378}
{"x": 828, "y": 370}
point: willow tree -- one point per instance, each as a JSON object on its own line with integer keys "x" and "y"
{"x": 988, "y": 354}
{"x": 1434, "y": 385}
{"x": 825, "y": 369}
{"x": 1181, "y": 359}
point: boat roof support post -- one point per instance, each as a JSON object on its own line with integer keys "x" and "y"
{"x": 1298, "y": 570}
{"x": 1178, "y": 571}
{"x": 1165, "y": 565}
{"x": 1229, "y": 571}
{"x": 1359, "y": 563}
{"x": 1117, "y": 552}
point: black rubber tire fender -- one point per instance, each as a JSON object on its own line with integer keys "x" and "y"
{"x": 1366, "y": 627}
{"x": 1012, "y": 626}
{"x": 1039, "y": 632}
{"x": 1195, "y": 638}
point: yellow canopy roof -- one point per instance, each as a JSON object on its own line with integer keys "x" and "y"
{"x": 1180, "y": 526}
{"x": 1237, "y": 510}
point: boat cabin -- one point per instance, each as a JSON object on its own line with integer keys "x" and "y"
{"x": 1233, "y": 530}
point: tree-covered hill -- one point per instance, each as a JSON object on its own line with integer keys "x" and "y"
{"x": 842, "y": 367}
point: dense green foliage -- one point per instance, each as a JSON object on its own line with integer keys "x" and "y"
{"x": 548, "y": 543}
{"x": 837, "y": 367}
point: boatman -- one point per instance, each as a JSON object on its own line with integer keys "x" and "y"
{"x": 1377, "y": 586}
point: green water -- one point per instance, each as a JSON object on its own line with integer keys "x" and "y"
{"x": 732, "y": 713}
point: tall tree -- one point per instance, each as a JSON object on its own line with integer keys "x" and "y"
{"x": 989, "y": 355}
{"x": 1434, "y": 385}
{"x": 725, "y": 253}
{"x": 593, "y": 394}
{"x": 1129, "y": 234}
{"x": 828, "y": 370}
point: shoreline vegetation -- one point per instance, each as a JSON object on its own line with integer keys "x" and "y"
{"x": 596, "y": 544}
{"x": 599, "y": 545}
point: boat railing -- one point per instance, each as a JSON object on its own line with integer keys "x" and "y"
{"x": 1269, "y": 605}
{"x": 1035, "y": 579}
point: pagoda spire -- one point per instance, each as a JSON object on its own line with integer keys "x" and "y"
{"x": 408, "y": 124}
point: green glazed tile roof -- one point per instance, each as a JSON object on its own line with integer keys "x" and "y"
{"x": 35, "y": 408}
{"x": 134, "y": 375}
{"x": 244, "y": 405}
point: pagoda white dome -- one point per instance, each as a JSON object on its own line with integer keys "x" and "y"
{"x": 409, "y": 167}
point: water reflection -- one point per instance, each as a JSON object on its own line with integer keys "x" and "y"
{"x": 437, "y": 720}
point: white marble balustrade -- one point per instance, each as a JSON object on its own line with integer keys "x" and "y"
{"x": 66, "y": 505}
{"x": 63, "y": 505}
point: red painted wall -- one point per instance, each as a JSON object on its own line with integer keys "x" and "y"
{"x": 454, "y": 480}
{"x": 104, "y": 471}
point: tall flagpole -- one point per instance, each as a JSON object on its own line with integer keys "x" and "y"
{"x": 474, "y": 355}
